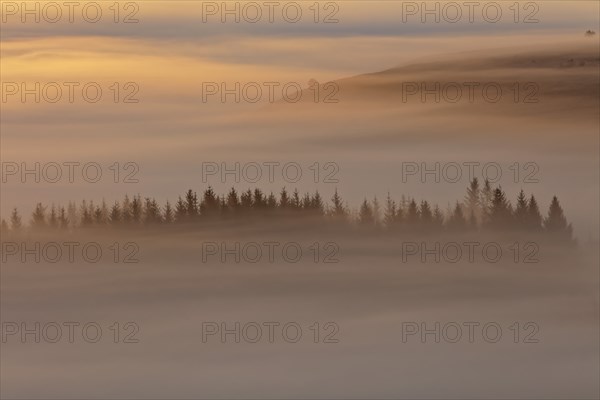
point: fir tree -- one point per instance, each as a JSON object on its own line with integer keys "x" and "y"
{"x": 63, "y": 221}
{"x": 400, "y": 213}
{"x": 403, "y": 203}
{"x": 210, "y": 204}
{"x": 534, "y": 217}
{"x": 521, "y": 216}
{"x": 98, "y": 219}
{"x": 306, "y": 201}
{"x": 180, "y": 211}
{"x": 126, "y": 214}
{"x": 556, "y": 222}
{"x": 246, "y": 200}
{"x": 38, "y": 218}
{"x": 338, "y": 210}
{"x": 191, "y": 205}
{"x": 457, "y": 221}
{"x": 389, "y": 213}
{"x": 438, "y": 218}
{"x": 376, "y": 211}
{"x": 365, "y": 216}
{"x": 86, "y": 216}
{"x": 233, "y": 201}
{"x": 223, "y": 206}
{"x": 412, "y": 214}
{"x": 152, "y": 212}
{"x": 316, "y": 204}
{"x": 473, "y": 199}
{"x": 53, "y": 218}
{"x": 500, "y": 214}
{"x": 137, "y": 210}
{"x": 425, "y": 215}
{"x": 296, "y": 203}
{"x": 73, "y": 218}
{"x": 487, "y": 196}
{"x": 91, "y": 211}
{"x": 284, "y": 199}
{"x": 259, "y": 201}
{"x": 271, "y": 202}
{"x": 15, "y": 221}
{"x": 104, "y": 213}
{"x": 115, "y": 214}
{"x": 168, "y": 216}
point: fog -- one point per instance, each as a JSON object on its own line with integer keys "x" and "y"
{"x": 370, "y": 294}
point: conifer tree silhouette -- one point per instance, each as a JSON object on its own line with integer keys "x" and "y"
{"x": 126, "y": 212}
{"x": 338, "y": 210}
{"x": 457, "y": 221}
{"x": 500, "y": 214}
{"x": 365, "y": 216}
{"x": 86, "y": 216}
{"x": 438, "y": 219}
{"x": 271, "y": 202}
{"x": 98, "y": 219}
{"x": 15, "y": 221}
{"x": 316, "y": 204}
{"x": 425, "y": 215}
{"x": 487, "y": 195}
{"x": 63, "y": 221}
{"x": 400, "y": 213}
{"x": 258, "y": 201}
{"x": 152, "y": 213}
{"x": 222, "y": 206}
{"x": 284, "y": 199}
{"x": 137, "y": 210}
{"x": 246, "y": 201}
{"x": 38, "y": 218}
{"x": 306, "y": 201}
{"x": 412, "y": 215}
{"x": 233, "y": 201}
{"x": 72, "y": 216}
{"x": 115, "y": 214}
{"x": 168, "y": 216}
{"x": 534, "y": 217}
{"x": 473, "y": 201}
{"x": 376, "y": 211}
{"x": 91, "y": 211}
{"x": 521, "y": 211}
{"x": 209, "y": 207}
{"x": 104, "y": 213}
{"x": 389, "y": 213}
{"x": 53, "y": 218}
{"x": 403, "y": 205}
{"x": 296, "y": 202}
{"x": 191, "y": 205}
{"x": 180, "y": 211}
{"x": 556, "y": 222}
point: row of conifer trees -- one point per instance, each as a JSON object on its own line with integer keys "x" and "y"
{"x": 483, "y": 207}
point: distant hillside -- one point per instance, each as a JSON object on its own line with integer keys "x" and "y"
{"x": 539, "y": 76}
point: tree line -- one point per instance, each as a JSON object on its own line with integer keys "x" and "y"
{"x": 483, "y": 207}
